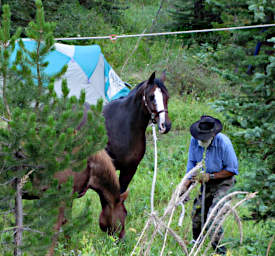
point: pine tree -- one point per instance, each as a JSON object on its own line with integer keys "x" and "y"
{"x": 253, "y": 112}
{"x": 238, "y": 52}
{"x": 192, "y": 15}
{"x": 38, "y": 138}
{"x": 72, "y": 17}
{"x": 246, "y": 50}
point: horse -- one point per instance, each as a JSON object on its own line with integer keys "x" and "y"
{"x": 126, "y": 120}
{"x": 99, "y": 175}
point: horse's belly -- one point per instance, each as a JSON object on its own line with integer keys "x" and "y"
{"x": 128, "y": 159}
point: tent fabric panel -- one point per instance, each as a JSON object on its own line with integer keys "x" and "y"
{"x": 117, "y": 87}
{"x": 107, "y": 69}
{"x": 57, "y": 61}
{"x": 87, "y": 58}
{"x": 65, "y": 49}
{"x": 96, "y": 90}
{"x": 76, "y": 80}
{"x": 55, "y": 58}
{"x": 114, "y": 86}
{"x": 122, "y": 93}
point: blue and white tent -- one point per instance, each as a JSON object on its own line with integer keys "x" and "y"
{"x": 87, "y": 69}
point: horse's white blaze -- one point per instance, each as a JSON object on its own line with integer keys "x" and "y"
{"x": 160, "y": 107}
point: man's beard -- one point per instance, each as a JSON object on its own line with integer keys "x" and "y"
{"x": 206, "y": 143}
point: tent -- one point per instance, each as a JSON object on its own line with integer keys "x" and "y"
{"x": 87, "y": 69}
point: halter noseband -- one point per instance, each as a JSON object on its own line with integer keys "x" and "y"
{"x": 153, "y": 114}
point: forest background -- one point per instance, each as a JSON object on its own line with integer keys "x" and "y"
{"x": 228, "y": 74}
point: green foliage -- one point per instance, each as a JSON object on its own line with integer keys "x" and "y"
{"x": 187, "y": 76}
{"x": 74, "y": 20}
{"x": 72, "y": 17}
{"x": 236, "y": 52}
{"x": 253, "y": 111}
{"x": 41, "y": 137}
{"x": 192, "y": 15}
{"x": 203, "y": 65}
{"x": 183, "y": 111}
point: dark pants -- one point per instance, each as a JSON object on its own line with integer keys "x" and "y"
{"x": 215, "y": 190}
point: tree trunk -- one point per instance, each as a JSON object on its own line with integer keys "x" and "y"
{"x": 19, "y": 218}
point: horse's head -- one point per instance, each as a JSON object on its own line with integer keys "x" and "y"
{"x": 155, "y": 98}
{"x": 112, "y": 217}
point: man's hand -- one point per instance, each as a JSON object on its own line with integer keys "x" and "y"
{"x": 202, "y": 177}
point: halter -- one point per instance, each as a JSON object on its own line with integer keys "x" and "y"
{"x": 153, "y": 114}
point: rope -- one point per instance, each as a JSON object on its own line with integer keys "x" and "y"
{"x": 114, "y": 37}
{"x": 155, "y": 168}
{"x": 203, "y": 189}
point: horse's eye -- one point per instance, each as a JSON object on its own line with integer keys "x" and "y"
{"x": 152, "y": 97}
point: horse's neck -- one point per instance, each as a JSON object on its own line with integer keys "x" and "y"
{"x": 106, "y": 198}
{"x": 103, "y": 178}
{"x": 139, "y": 114}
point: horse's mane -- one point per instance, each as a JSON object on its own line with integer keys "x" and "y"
{"x": 157, "y": 81}
{"x": 102, "y": 166}
{"x": 133, "y": 92}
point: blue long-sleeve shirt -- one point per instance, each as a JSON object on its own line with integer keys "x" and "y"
{"x": 220, "y": 155}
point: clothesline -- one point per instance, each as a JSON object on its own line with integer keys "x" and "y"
{"x": 114, "y": 36}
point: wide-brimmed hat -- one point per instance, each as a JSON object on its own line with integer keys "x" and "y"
{"x": 206, "y": 128}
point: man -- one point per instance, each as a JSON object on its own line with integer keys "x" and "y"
{"x": 218, "y": 177}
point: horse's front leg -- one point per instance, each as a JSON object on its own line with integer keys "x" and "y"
{"x": 60, "y": 221}
{"x": 125, "y": 178}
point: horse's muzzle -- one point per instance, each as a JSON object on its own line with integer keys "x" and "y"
{"x": 164, "y": 128}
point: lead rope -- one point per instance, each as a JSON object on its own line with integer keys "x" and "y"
{"x": 155, "y": 167}
{"x": 203, "y": 188}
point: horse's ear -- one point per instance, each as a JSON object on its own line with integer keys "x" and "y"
{"x": 152, "y": 78}
{"x": 124, "y": 195}
{"x": 163, "y": 76}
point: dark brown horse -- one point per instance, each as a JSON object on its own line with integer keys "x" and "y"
{"x": 126, "y": 121}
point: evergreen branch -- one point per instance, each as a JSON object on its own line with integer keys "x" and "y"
{"x": 6, "y": 37}
{"x": 23, "y": 229}
{"x": 7, "y": 182}
{"x": 23, "y": 166}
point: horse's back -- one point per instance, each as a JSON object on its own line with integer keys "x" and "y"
{"x": 115, "y": 112}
